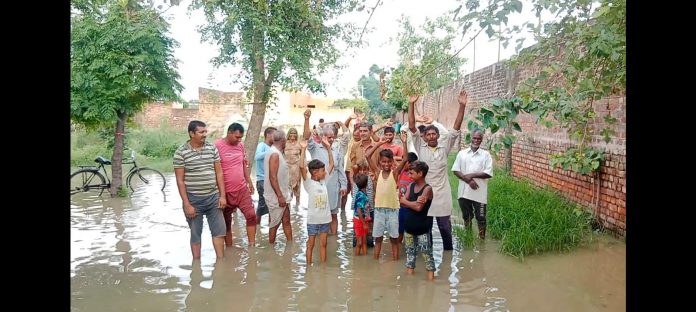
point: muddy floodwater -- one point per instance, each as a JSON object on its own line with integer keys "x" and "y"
{"x": 133, "y": 254}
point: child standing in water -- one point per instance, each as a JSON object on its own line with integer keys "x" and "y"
{"x": 363, "y": 168}
{"x": 360, "y": 208}
{"x": 386, "y": 199}
{"x": 418, "y": 225}
{"x": 318, "y": 212}
{"x": 404, "y": 181}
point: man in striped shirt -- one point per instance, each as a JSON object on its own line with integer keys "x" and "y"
{"x": 200, "y": 182}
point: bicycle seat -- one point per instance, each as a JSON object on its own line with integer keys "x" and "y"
{"x": 102, "y": 160}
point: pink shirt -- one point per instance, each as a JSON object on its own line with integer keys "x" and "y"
{"x": 232, "y": 160}
{"x": 396, "y": 149}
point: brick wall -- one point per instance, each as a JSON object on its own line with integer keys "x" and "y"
{"x": 155, "y": 114}
{"x": 214, "y": 108}
{"x": 533, "y": 146}
{"x": 218, "y": 109}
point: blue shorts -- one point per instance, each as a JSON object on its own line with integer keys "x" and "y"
{"x": 402, "y": 219}
{"x": 315, "y": 229}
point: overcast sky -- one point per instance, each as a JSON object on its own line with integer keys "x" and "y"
{"x": 197, "y": 71}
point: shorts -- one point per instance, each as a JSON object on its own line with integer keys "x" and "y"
{"x": 386, "y": 220}
{"x": 208, "y": 206}
{"x": 402, "y": 220}
{"x": 359, "y": 228}
{"x": 314, "y": 229}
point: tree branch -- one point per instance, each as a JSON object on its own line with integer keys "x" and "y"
{"x": 368, "y": 20}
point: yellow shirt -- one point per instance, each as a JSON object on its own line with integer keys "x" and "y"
{"x": 386, "y": 193}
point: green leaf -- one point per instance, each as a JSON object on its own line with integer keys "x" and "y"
{"x": 517, "y": 5}
{"x": 487, "y": 120}
{"x": 456, "y": 12}
{"x": 516, "y": 126}
{"x": 507, "y": 140}
{"x": 601, "y": 11}
{"x": 595, "y": 165}
{"x": 471, "y": 125}
{"x": 501, "y": 122}
{"x": 490, "y": 32}
{"x": 494, "y": 128}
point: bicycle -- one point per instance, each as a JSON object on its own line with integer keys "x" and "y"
{"x": 88, "y": 178}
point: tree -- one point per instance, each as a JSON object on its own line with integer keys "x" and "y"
{"x": 370, "y": 89}
{"x": 427, "y": 61}
{"x": 120, "y": 58}
{"x": 287, "y": 43}
{"x": 358, "y": 104}
{"x": 581, "y": 57}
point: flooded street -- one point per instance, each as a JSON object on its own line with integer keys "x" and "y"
{"x": 133, "y": 253}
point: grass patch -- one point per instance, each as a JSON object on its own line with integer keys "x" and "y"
{"x": 85, "y": 147}
{"x": 527, "y": 220}
{"x": 465, "y": 235}
{"x": 122, "y": 191}
{"x": 156, "y": 143}
{"x": 154, "y": 147}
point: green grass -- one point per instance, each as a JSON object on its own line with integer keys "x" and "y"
{"x": 85, "y": 147}
{"x": 154, "y": 147}
{"x": 525, "y": 219}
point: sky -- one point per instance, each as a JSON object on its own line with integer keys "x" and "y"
{"x": 196, "y": 70}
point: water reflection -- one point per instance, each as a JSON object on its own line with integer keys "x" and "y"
{"x": 133, "y": 254}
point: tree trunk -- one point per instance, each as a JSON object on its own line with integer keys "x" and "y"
{"x": 258, "y": 112}
{"x": 116, "y": 158}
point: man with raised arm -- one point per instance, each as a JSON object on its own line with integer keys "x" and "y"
{"x": 434, "y": 153}
{"x": 336, "y": 183}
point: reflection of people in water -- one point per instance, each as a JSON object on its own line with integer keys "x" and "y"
{"x": 229, "y": 288}
{"x": 198, "y": 295}
{"x": 472, "y": 278}
{"x": 414, "y": 295}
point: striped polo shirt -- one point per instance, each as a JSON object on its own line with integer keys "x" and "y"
{"x": 199, "y": 167}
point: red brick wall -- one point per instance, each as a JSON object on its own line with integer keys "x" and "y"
{"x": 219, "y": 97}
{"x": 180, "y": 117}
{"x": 155, "y": 114}
{"x": 533, "y": 146}
{"x": 214, "y": 108}
{"x": 482, "y": 85}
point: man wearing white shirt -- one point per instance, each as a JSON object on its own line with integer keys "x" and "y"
{"x": 425, "y": 120}
{"x": 473, "y": 166}
{"x": 433, "y": 151}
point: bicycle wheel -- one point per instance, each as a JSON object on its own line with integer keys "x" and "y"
{"x": 146, "y": 178}
{"x": 87, "y": 180}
